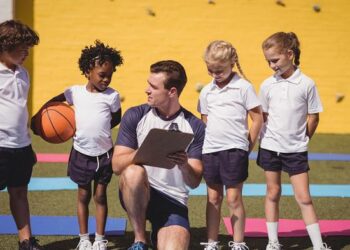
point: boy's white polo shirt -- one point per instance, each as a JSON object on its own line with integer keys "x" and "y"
{"x": 288, "y": 103}
{"x": 14, "y": 89}
{"x": 226, "y": 110}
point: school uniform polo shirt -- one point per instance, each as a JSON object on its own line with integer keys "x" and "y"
{"x": 226, "y": 110}
{"x": 14, "y": 89}
{"x": 288, "y": 103}
{"x": 134, "y": 127}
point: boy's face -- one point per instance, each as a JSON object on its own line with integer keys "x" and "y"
{"x": 100, "y": 76}
{"x": 16, "y": 56}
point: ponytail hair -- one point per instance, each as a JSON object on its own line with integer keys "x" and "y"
{"x": 284, "y": 41}
{"x": 224, "y": 51}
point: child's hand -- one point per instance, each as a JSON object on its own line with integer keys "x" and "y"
{"x": 33, "y": 125}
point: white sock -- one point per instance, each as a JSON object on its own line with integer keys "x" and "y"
{"x": 272, "y": 231}
{"x": 84, "y": 236}
{"x": 315, "y": 235}
{"x": 99, "y": 237}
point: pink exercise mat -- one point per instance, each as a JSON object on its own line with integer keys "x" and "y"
{"x": 59, "y": 158}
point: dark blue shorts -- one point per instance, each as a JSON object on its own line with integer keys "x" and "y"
{"x": 16, "y": 166}
{"x": 227, "y": 167}
{"x": 292, "y": 163}
{"x": 82, "y": 169}
{"x": 163, "y": 211}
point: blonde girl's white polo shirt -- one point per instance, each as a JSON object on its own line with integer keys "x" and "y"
{"x": 288, "y": 103}
{"x": 14, "y": 89}
{"x": 227, "y": 114}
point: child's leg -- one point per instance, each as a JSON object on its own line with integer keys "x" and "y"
{"x": 213, "y": 210}
{"x": 100, "y": 198}
{"x": 84, "y": 197}
{"x": 301, "y": 189}
{"x": 20, "y": 210}
{"x": 237, "y": 212}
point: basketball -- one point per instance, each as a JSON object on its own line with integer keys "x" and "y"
{"x": 55, "y": 122}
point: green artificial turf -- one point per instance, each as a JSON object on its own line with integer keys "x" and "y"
{"x": 64, "y": 202}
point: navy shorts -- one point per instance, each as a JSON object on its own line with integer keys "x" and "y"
{"x": 163, "y": 211}
{"x": 292, "y": 163}
{"x": 16, "y": 166}
{"x": 227, "y": 167}
{"x": 82, "y": 169}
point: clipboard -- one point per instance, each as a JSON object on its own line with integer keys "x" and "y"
{"x": 158, "y": 144}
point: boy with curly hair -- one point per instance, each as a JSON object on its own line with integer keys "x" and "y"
{"x": 97, "y": 111}
{"x": 17, "y": 157}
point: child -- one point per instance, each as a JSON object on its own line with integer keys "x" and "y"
{"x": 290, "y": 104}
{"x": 97, "y": 110}
{"x": 17, "y": 157}
{"x": 224, "y": 105}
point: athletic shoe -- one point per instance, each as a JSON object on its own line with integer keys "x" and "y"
{"x": 274, "y": 245}
{"x": 214, "y": 245}
{"x": 138, "y": 246}
{"x": 84, "y": 245}
{"x": 100, "y": 245}
{"x": 238, "y": 245}
{"x": 31, "y": 244}
{"x": 325, "y": 247}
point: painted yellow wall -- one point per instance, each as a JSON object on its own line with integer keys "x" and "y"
{"x": 181, "y": 30}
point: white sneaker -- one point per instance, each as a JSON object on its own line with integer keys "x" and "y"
{"x": 274, "y": 245}
{"x": 325, "y": 247}
{"x": 100, "y": 245}
{"x": 214, "y": 245}
{"x": 84, "y": 245}
{"x": 238, "y": 245}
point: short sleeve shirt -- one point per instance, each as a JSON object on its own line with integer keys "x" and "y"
{"x": 14, "y": 89}
{"x": 93, "y": 118}
{"x": 288, "y": 103}
{"x": 134, "y": 127}
{"x": 226, "y": 109}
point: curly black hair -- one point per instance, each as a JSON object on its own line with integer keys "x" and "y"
{"x": 13, "y": 33}
{"x": 99, "y": 53}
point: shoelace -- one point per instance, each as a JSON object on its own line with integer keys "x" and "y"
{"x": 210, "y": 245}
{"x": 137, "y": 246}
{"x": 101, "y": 243}
{"x": 238, "y": 245}
{"x": 274, "y": 245}
{"x": 325, "y": 247}
{"x": 85, "y": 244}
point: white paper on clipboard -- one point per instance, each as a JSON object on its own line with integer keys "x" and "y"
{"x": 158, "y": 144}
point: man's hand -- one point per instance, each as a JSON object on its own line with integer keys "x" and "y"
{"x": 179, "y": 158}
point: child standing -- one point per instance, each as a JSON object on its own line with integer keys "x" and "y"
{"x": 224, "y": 105}
{"x": 291, "y": 107}
{"x": 97, "y": 111}
{"x": 17, "y": 157}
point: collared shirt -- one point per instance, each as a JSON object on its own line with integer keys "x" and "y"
{"x": 226, "y": 109}
{"x": 14, "y": 89}
{"x": 288, "y": 103}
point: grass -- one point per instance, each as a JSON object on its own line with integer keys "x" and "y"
{"x": 64, "y": 202}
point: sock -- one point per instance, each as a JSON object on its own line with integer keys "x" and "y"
{"x": 99, "y": 237}
{"x": 84, "y": 236}
{"x": 315, "y": 235}
{"x": 272, "y": 231}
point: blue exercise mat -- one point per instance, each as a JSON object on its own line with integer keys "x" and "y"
{"x": 316, "y": 156}
{"x": 61, "y": 225}
{"x": 317, "y": 190}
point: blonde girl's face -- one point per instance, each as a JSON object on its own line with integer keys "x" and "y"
{"x": 280, "y": 61}
{"x": 220, "y": 71}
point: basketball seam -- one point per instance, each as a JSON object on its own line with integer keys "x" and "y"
{"x": 48, "y": 115}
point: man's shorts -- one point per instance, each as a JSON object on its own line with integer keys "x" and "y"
{"x": 292, "y": 163}
{"x": 82, "y": 169}
{"x": 227, "y": 167}
{"x": 163, "y": 211}
{"x": 16, "y": 166}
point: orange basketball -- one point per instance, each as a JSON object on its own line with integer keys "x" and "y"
{"x": 56, "y": 122}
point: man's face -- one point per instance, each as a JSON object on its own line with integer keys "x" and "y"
{"x": 158, "y": 96}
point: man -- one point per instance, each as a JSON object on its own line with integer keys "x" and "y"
{"x": 159, "y": 194}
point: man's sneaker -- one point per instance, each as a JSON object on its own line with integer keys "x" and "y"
{"x": 325, "y": 247}
{"x": 238, "y": 245}
{"x": 214, "y": 245}
{"x": 100, "y": 245}
{"x": 31, "y": 244}
{"x": 138, "y": 246}
{"x": 84, "y": 245}
{"x": 274, "y": 245}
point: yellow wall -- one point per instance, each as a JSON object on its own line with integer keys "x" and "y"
{"x": 181, "y": 30}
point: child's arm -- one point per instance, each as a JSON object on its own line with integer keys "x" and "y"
{"x": 257, "y": 121}
{"x": 204, "y": 118}
{"x": 312, "y": 123}
{"x": 116, "y": 118}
